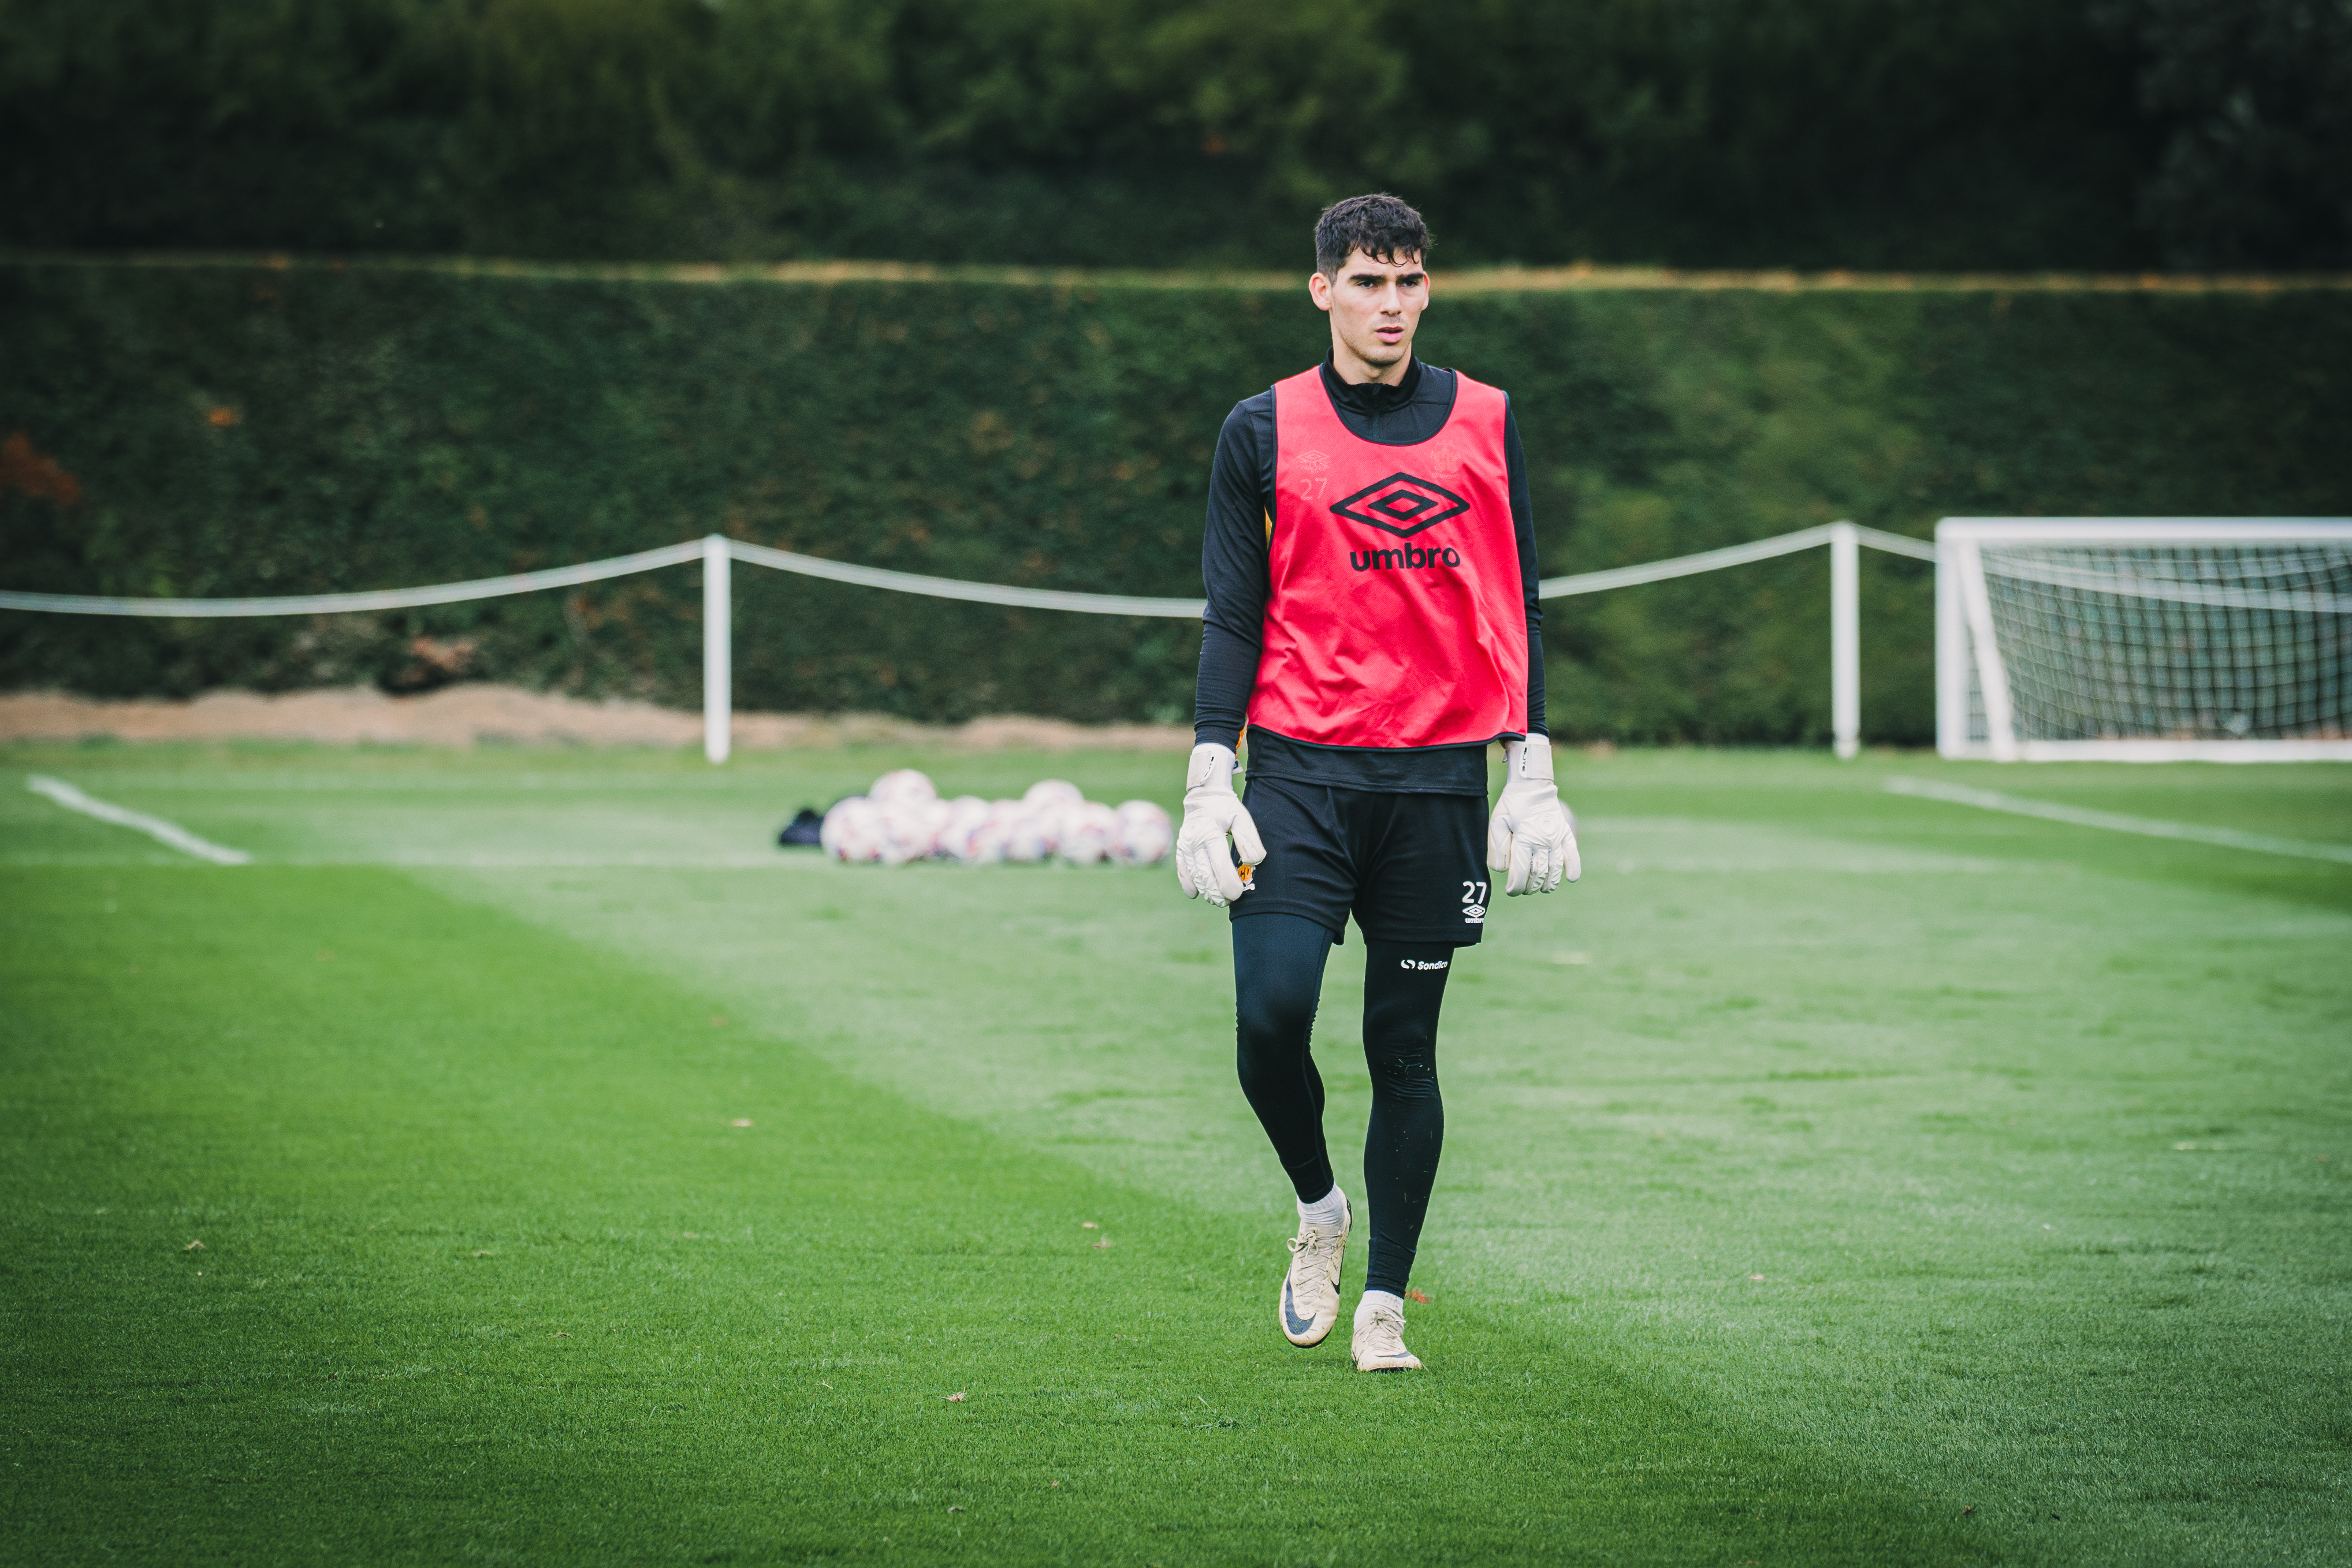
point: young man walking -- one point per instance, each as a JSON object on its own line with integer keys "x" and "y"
{"x": 1372, "y": 620}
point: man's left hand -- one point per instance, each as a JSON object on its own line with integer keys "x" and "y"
{"x": 1532, "y": 836}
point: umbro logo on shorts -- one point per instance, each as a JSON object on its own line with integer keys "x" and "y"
{"x": 1402, "y": 504}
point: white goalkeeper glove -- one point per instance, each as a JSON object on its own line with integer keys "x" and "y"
{"x": 1204, "y": 865}
{"x": 1532, "y": 836}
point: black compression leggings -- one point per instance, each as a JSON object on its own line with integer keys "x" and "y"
{"x": 1277, "y": 977}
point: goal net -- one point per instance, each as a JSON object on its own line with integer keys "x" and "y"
{"x": 2156, "y": 639}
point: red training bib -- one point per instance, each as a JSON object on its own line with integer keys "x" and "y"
{"x": 1397, "y": 617}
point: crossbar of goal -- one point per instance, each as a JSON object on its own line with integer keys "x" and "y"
{"x": 716, "y": 553}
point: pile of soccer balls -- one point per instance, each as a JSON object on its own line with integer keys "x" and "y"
{"x": 902, "y": 819}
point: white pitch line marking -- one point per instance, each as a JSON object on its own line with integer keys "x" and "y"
{"x": 2116, "y": 821}
{"x": 156, "y": 828}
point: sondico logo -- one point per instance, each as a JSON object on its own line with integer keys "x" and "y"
{"x": 1420, "y": 963}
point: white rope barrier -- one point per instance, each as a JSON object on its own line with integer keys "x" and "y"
{"x": 367, "y": 600}
{"x": 1893, "y": 544}
{"x": 1683, "y": 565}
{"x": 977, "y": 593}
{"x": 715, "y": 552}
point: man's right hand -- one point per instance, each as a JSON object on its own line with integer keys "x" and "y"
{"x": 1212, "y": 812}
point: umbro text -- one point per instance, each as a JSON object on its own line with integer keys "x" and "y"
{"x": 1412, "y": 557}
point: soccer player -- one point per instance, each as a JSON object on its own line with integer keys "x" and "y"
{"x": 1372, "y": 619}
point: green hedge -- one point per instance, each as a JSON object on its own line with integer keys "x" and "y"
{"x": 247, "y": 430}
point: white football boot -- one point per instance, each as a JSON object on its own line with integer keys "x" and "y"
{"x": 1379, "y": 1339}
{"x": 1310, "y": 1309}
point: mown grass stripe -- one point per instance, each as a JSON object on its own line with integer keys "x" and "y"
{"x": 2117, "y": 821}
{"x": 489, "y": 1267}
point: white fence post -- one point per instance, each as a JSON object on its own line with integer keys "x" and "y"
{"x": 1846, "y": 639}
{"x": 718, "y": 650}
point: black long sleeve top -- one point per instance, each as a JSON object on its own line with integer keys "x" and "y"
{"x": 1234, "y": 569}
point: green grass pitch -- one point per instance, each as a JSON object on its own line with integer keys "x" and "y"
{"x": 524, "y": 1162}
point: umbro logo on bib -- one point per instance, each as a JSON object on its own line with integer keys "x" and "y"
{"x": 1402, "y": 504}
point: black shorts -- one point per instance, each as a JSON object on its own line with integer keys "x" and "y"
{"x": 1410, "y": 868}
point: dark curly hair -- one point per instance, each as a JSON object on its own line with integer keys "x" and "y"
{"x": 1382, "y": 226}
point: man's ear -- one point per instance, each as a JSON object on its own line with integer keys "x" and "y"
{"x": 1318, "y": 289}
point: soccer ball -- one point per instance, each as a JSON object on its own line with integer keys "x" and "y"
{"x": 1143, "y": 835}
{"x": 903, "y": 786}
{"x": 1054, "y": 792}
{"x": 854, "y": 830}
{"x": 911, "y": 828}
{"x": 1030, "y": 829}
{"x": 966, "y": 836}
{"x": 1088, "y": 830}
{"x": 993, "y": 839}
{"x": 903, "y": 819}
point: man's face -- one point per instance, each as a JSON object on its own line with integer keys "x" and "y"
{"x": 1374, "y": 306}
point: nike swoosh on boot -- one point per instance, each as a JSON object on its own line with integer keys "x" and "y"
{"x": 1290, "y": 1318}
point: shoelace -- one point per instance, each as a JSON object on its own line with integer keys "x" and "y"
{"x": 1385, "y": 1330}
{"x": 1320, "y": 1247}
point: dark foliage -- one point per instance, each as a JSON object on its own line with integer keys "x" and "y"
{"x": 1886, "y": 133}
{"x": 2256, "y": 99}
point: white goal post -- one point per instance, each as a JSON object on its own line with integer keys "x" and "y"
{"x": 2144, "y": 638}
